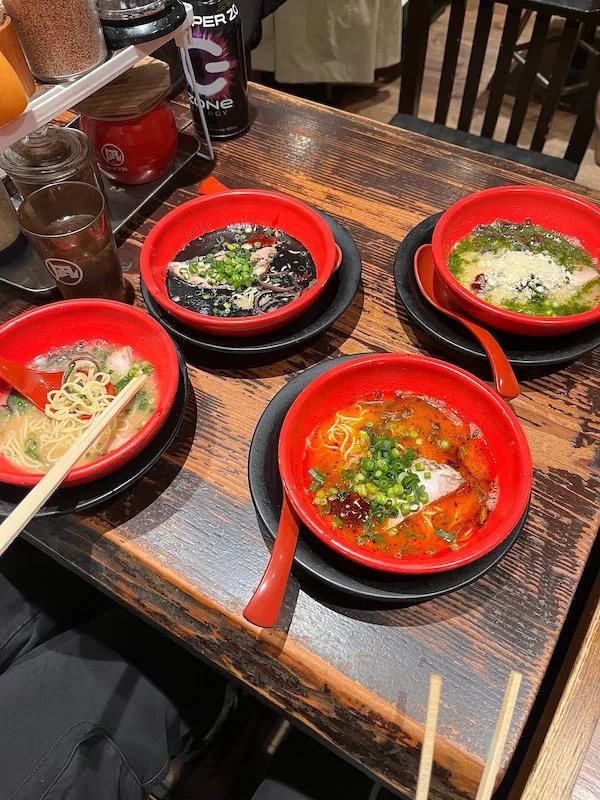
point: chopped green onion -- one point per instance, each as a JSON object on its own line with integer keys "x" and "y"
{"x": 317, "y": 476}
{"x": 363, "y": 435}
{"x": 446, "y": 535}
{"x": 443, "y": 444}
{"x": 419, "y": 467}
{"x": 336, "y": 522}
{"x": 427, "y": 475}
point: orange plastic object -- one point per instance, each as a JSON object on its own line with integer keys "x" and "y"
{"x": 265, "y": 605}
{"x": 434, "y": 291}
{"x": 13, "y": 99}
{"x": 10, "y": 46}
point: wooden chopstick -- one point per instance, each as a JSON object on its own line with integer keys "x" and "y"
{"x": 35, "y": 499}
{"x": 490, "y": 771}
{"x": 426, "y": 761}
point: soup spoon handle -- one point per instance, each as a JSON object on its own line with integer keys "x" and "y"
{"x": 35, "y": 499}
{"x": 505, "y": 379}
{"x": 263, "y": 609}
{"x": 507, "y": 385}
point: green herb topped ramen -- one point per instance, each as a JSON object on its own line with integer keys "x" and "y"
{"x": 525, "y": 268}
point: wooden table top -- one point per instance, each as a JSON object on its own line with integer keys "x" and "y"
{"x": 568, "y": 764}
{"x": 183, "y": 547}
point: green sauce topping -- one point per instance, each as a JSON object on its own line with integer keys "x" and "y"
{"x": 511, "y": 236}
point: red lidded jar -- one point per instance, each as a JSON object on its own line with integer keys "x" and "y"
{"x": 136, "y": 150}
{"x": 132, "y": 127}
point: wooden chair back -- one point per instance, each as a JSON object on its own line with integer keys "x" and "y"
{"x": 580, "y": 18}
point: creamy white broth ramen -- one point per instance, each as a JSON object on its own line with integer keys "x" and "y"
{"x": 526, "y": 268}
{"x": 93, "y": 373}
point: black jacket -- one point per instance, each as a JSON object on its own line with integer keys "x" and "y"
{"x": 253, "y": 11}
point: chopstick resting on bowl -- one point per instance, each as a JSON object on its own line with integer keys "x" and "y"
{"x": 492, "y": 763}
{"x": 35, "y": 499}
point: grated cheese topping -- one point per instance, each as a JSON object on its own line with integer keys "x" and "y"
{"x": 518, "y": 274}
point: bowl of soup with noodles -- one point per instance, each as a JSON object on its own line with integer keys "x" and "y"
{"x": 239, "y": 263}
{"x": 523, "y": 259}
{"x": 97, "y": 346}
{"x": 405, "y": 464}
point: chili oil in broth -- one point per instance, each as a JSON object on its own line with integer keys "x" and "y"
{"x": 368, "y": 465}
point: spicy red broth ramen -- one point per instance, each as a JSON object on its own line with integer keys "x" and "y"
{"x": 401, "y": 476}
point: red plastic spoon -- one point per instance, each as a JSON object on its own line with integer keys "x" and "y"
{"x": 434, "y": 291}
{"x": 265, "y": 605}
{"x": 31, "y": 383}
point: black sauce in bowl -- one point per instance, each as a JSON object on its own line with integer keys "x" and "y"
{"x": 240, "y": 271}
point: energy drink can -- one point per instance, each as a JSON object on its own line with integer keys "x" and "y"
{"x": 219, "y": 68}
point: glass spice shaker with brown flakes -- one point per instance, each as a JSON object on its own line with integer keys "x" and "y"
{"x": 62, "y": 39}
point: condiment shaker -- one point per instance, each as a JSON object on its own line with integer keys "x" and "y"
{"x": 49, "y": 155}
{"x": 10, "y": 47}
{"x": 62, "y": 39}
{"x": 12, "y": 241}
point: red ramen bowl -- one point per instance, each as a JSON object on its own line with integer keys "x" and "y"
{"x": 555, "y": 210}
{"x": 459, "y": 392}
{"x": 63, "y": 324}
{"x": 206, "y": 214}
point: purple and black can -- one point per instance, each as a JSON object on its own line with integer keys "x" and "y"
{"x": 219, "y": 68}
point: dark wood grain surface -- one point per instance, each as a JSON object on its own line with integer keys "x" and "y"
{"x": 567, "y": 766}
{"x": 183, "y": 547}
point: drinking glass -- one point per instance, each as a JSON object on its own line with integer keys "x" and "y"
{"x": 69, "y": 228}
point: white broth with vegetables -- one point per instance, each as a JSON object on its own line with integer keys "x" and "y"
{"x": 93, "y": 373}
{"x": 527, "y": 269}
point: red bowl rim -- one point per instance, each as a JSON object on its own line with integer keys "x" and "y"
{"x": 116, "y": 458}
{"x": 239, "y": 324}
{"x": 416, "y": 566}
{"x": 446, "y": 221}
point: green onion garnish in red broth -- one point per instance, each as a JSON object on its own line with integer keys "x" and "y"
{"x": 401, "y": 476}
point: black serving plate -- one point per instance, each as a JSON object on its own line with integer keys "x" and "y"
{"x": 335, "y": 299}
{"x": 88, "y": 495}
{"x": 521, "y": 351}
{"x": 314, "y": 556}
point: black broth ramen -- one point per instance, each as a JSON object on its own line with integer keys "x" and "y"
{"x": 240, "y": 271}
